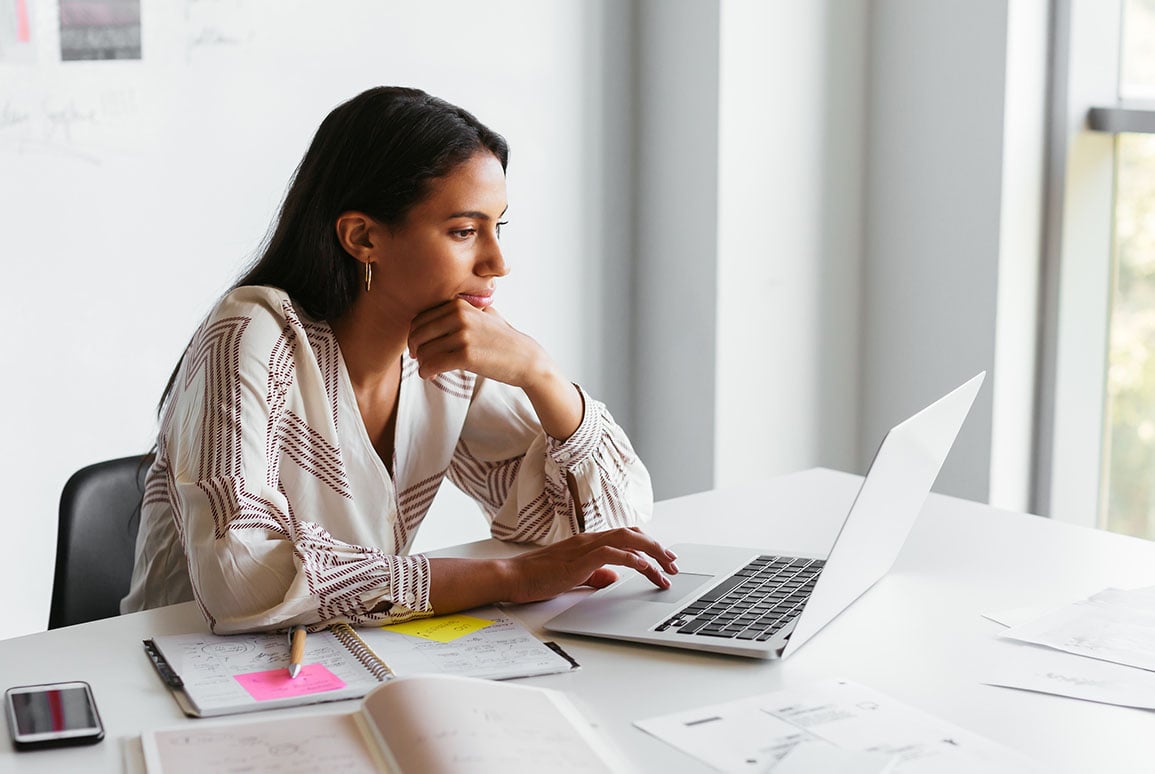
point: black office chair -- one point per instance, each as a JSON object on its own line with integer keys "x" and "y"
{"x": 96, "y": 540}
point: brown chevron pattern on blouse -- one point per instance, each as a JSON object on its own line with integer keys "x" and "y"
{"x": 488, "y": 482}
{"x": 216, "y": 350}
{"x": 412, "y": 504}
{"x": 312, "y": 453}
{"x": 281, "y": 367}
{"x": 328, "y": 353}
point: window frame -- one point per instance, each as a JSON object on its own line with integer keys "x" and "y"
{"x": 1077, "y": 262}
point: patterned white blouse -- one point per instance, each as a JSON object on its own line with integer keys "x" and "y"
{"x": 268, "y": 505}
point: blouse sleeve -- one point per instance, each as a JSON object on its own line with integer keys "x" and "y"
{"x": 519, "y": 474}
{"x": 256, "y": 560}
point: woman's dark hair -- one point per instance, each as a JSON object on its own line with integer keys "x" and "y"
{"x": 377, "y": 154}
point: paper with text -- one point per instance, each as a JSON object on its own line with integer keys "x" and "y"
{"x": 412, "y": 725}
{"x": 502, "y": 649}
{"x": 757, "y": 733}
{"x": 814, "y": 756}
{"x": 224, "y": 674}
{"x": 1045, "y": 670}
{"x": 330, "y": 743}
{"x": 451, "y": 724}
{"x": 1113, "y": 625}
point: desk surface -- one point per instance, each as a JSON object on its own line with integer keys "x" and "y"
{"x": 917, "y": 635}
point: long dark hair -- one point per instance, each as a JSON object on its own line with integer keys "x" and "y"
{"x": 376, "y": 153}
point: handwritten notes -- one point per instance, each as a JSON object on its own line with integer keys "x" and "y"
{"x": 276, "y": 684}
{"x": 490, "y": 645}
{"x": 330, "y": 743}
{"x": 442, "y": 628}
{"x": 246, "y": 672}
{"x": 445, "y": 724}
{"x": 428, "y": 723}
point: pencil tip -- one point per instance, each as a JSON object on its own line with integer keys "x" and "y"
{"x": 294, "y": 670}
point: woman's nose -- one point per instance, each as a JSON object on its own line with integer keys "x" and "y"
{"x": 492, "y": 263}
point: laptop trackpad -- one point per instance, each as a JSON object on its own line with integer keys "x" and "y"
{"x": 639, "y": 588}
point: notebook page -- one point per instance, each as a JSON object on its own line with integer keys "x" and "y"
{"x": 333, "y": 743}
{"x": 485, "y": 643}
{"x": 441, "y": 723}
{"x": 245, "y": 672}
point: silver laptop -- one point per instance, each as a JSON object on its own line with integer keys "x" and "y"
{"x": 748, "y": 602}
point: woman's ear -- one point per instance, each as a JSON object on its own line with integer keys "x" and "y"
{"x": 357, "y": 233}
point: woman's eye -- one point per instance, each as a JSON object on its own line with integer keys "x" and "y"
{"x": 463, "y": 233}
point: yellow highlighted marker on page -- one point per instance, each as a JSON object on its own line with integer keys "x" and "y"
{"x": 442, "y": 628}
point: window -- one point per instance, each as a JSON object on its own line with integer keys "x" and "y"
{"x": 1127, "y": 500}
{"x": 1096, "y": 429}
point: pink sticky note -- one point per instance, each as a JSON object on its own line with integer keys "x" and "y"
{"x": 276, "y": 683}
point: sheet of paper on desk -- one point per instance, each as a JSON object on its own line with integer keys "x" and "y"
{"x": 1036, "y": 668}
{"x": 815, "y": 756}
{"x": 758, "y": 733}
{"x": 1112, "y": 625}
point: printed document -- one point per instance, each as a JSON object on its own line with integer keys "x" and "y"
{"x": 760, "y": 734}
{"x": 1113, "y": 625}
{"x": 1070, "y": 658}
{"x": 1034, "y": 668}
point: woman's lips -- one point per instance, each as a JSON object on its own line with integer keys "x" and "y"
{"x": 479, "y": 301}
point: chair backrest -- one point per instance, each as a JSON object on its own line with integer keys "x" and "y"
{"x": 96, "y": 540}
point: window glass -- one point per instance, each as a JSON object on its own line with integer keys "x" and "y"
{"x": 1128, "y": 488}
{"x": 1129, "y": 458}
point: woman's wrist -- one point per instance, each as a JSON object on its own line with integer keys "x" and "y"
{"x": 508, "y": 580}
{"x": 558, "y": 403}
{"x": 462, "y": 584}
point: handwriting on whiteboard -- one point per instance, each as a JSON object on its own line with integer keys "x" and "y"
{"x": 76, "y": 126}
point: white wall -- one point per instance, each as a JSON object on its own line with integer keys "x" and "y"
{"x": 676, "y": 158}
{"x": 123, "y": 223}
{"x": 789, "y": 236}
{"x": 749, "y": 201}
{"x": 948, "y": 112}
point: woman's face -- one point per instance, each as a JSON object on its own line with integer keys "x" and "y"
{"x": 448, "y": 246}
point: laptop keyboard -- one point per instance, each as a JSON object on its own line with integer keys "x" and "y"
{"x": 753, "y": 603}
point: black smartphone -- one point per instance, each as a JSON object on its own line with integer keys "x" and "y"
{"x": 52, "y": 715}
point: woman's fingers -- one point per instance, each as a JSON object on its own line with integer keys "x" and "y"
{"x": 586, "y": 560}
{"x": 436, "y": 323}
{"x": 634, "y": 539}
{"x": 606, "y": 555}
{"x": 455, "y": 336}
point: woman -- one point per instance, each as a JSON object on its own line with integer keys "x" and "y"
{"x": 357, "y": 364}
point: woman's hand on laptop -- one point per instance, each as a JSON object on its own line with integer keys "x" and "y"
{"x": 583, "y": 560}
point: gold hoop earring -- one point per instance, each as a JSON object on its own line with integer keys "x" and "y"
{"x": 368, "y": 276}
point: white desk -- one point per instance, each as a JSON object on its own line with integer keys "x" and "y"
{"x": 917, "y": 635}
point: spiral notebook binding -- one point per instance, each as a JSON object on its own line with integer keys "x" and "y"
{"x": 353, "y": 643}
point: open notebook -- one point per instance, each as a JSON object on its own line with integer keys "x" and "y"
{"x": 426, "y": 723}
{"x": 223, "y": 675}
